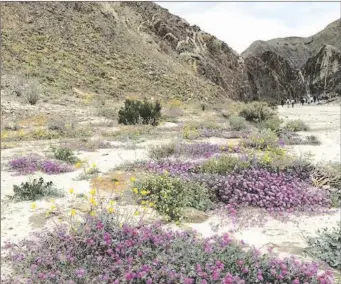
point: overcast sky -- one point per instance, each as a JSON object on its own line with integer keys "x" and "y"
{"x": 240, "y": 24}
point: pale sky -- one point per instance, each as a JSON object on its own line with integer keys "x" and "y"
{"x": 240, "y": 24}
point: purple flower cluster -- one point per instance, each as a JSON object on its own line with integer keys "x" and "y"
{"x": 273, "y": 191}
{"x": 30, "y": 164}
{"x": 172, "y": 167}
{"x": 100, "y": 251}
{"x": 26, "y": 164}
{"x": 204, "y": 150}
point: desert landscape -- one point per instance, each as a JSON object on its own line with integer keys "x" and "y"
{"x": 166, "y": 163}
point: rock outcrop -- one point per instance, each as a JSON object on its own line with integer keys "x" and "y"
{"x": 294, "y": 67}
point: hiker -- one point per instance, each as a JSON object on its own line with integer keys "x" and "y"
{"x": 302, "y": 101}
{"x": 311, "y": 99}
{"x": 292, "y": 102}
{"x": 288, "y": 103}
{"x": 282, "y": 102}
{"x": 314, "y": 99}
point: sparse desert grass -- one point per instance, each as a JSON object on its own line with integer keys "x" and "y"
{"x": 117, "y": 181}
{"x": 296, "y": 125}
{"x": 89, "y": 172}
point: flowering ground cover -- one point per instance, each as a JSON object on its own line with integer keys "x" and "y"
{"x": 30, "y": 164}
{"x": 101, "y": 251}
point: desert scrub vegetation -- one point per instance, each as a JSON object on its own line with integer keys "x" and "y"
{"x": 64, "y": 154}
{"x": 29, "y": 164}
{"x": 25, "y": 87}
{"x": 296, "y": 125}
{"x": 89, "y": 172}
{"x": 237, "y": 123}
{"x": 223, "y": 164}
{"x": 135, "y": 112}
{"x": 262, "y": 139}
{"x": 326, "y": 246}
{"x": 124, "y": 253}
{"x": 274, "y": 124}
{"x": 35, "y": 189}
{"x": 256, "y": 112}
{"x": 169, "y": 195}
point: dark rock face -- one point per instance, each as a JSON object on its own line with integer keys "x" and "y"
{"x": 322, "y": 72}
{"x": 271, "y": 78}
{"x": 294, "y": 67}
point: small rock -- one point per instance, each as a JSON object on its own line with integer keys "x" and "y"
{"x": 83, "y": 207}
{"x": 193, "y": 215}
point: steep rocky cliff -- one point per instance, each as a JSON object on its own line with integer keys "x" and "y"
{"x": 322, "y": 72}
{"x": 294, "y": 66}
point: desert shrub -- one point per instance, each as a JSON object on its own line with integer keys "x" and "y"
{"x": 326, "y": 246}
{"x": 273, "y": 191}
{"x": 32, "y": 190}
{"x": 256, "y": 112}
{"x": 162, "y": 151}
{"x": 64, "y": 154}
{"x": 190, "y": 133}
{"x": 224, "y": 164}
{"x": 57, "y": 124}
{"x": 89, "y": 172}
{"x": 262, "y": 139}
{"x": 296, "y": 125}
{"x": 238, "y": 123}
{"x": 313, "y": 140}
{"x": 170, "y": 195}
{"x": 135, "y": 112}
{"x": 101, "y": 251}
{"x": 272, "y": 123}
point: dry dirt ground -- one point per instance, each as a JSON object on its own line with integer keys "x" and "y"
{"x": 18, "y": 220}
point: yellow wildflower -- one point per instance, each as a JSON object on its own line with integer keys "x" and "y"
{"x": 132, "y": 179}
{"x": 135, "y": 190}
{"x": 144, "y": 192}
{"x": 94, "y": 165}
{"x": 73, "y": 212}
{"x": 151, "y": 204}
{"x": 33, "y": 206}
{"x": 112, "y": 202}
{"x": 111, "y": 210}
{"x": 93, "y": 191}
{"x": 53, "y": 207}
{"x": 71, "y": 190}
{"x": 93, "y": 213}
{"x": 93, "y": 201}
{"x": 78, "y": 165}
{"x": 137, "y": 213}
{"x": 47, "y": 214}
{"x": 121, "y": 225}
{"x": 143, "y": 202}
{"x": 116, "y": 183}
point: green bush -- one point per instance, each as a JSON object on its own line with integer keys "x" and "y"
{"x": 256, "y": 112}
{"x": 64, "y": 154}
{"x": 327, "y": 246}
{"x": 223, "y": 164}
{"x": 237, "y": 123}
{"x": 272, "y": 123}
{"x": 170, "y": 195}
{"x": 262, "y": 140}
{"x": 34, "y": 190}
{"x": 135, "y": 112}
{"x": 162, "y": 151}
{"x": 296, "y": 125}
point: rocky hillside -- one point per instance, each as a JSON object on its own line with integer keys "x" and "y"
{"x": 140, "y": 49}
{"x": 293, "y": 67}
{"x": 118, "y": 49}
{"x": 297, "y": 50}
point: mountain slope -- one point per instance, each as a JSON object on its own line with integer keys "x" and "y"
{"x": 117, "y": 49}
{"x": 297, "y": 50}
